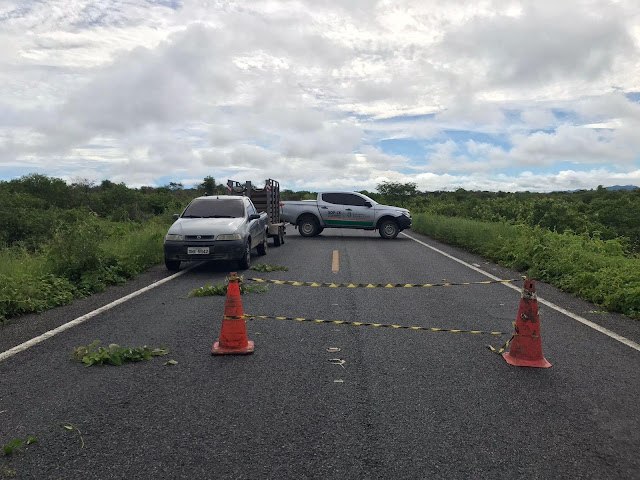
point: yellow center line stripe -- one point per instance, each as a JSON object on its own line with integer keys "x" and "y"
{"x": 335, "y": 262}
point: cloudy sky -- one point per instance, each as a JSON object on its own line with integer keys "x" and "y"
{"x": 506, "y": 95}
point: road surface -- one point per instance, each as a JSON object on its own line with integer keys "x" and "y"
{"x": 399, "y": 404}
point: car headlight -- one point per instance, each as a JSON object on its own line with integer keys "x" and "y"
{"x": 229, "y": 236}
{"x": 173, "y": 237}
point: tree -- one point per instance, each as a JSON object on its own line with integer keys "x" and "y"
{"x": 209, "y": 185}
{"x": 83, "y": 185}
{"x": 397, "y": 189}
{"x": 54, "y": 191}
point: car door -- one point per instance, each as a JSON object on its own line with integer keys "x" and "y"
{"x": 358, "y": 211}
{"x": 331, "y": 209}
{"x": 346, "y": 210}
{"x": 255, "y": 226}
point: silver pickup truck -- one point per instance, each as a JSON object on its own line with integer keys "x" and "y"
{"x": 344, "y": 210}
{"x": 223, "y": 227}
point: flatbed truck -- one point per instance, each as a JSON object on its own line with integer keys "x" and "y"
{"x": 266, "y": 199}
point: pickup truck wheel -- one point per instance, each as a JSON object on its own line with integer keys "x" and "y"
{"x": 262, "y": 248}
{"x": 308, "y": 227}
{"x": 245, "y": 261}
{"x": 388, "y": 229}
{"x": 172, "y": 265}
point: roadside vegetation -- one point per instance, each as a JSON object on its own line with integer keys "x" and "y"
{"x": 591, "y": 268}
{"x": 59, "y": 242}
{"x": 62, "y": 241}
{"x": 600, "y": 213}
{"x": 586, "y": 243}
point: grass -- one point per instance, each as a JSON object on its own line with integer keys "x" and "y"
{"x": 136, "y": 246}
{"x": 596, "y": 270}
{"x": 15, "y": 260}
{"x": 79, "y": 260}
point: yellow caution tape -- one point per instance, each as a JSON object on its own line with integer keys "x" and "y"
{"x": 295, "y": 283}
{"x": 368, "y": 324}
{"x": 502, "y": 349}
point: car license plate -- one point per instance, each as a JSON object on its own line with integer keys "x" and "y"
{"x": 198, "y": 250}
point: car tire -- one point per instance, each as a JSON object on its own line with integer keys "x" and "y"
{"x": 172, "y": 265}
{"x": 308, "y": 226}
{"x": 388, "y": 229}
{"x": 262, "y": 248}
{"x": 278, "y": 239}
{"x": 245, "y": 261}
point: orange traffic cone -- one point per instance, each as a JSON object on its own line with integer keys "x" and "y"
{"x": 233, "y": 336}
{"x": 526, "y": 346}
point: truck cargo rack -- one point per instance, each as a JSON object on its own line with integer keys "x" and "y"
{"x": 265, "y": 199}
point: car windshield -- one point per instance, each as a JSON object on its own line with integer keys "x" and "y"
{"x": 214, "y": 208}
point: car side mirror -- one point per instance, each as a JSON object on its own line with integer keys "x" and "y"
{"x": 176, "y": 216}
{"x": 368, "y": 204}
{"x": 254, "y": 216}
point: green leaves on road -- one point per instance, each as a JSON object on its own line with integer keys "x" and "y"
{"x": 264, "y": 267}
{"x": 18, "y": 444}
{"x": 221, "y": 290}
{"x": 114, "y": 354}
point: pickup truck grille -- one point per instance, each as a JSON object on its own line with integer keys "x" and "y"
{"x": 199, "y": 237}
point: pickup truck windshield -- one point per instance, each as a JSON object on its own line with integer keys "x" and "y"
{"x": 214, "y": 208}
{"x": 373, "y": 202}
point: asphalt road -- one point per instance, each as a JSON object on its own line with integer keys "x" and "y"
{"x": 404, "y": 404}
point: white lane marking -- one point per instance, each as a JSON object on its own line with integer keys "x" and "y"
{"x": 41, "y": 338}
{"x": 578, "y": 318}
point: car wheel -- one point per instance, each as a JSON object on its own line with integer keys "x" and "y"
{"x": 308, "y": 227}
{"x": 388, "y": 229}
{"x": 262, "y": 248}
{"x": 244, "y": 262}
{"x": 172, "y": 265}
{"x": 278, "y": 239}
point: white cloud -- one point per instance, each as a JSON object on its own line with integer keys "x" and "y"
{"x": 612, "y": 105}
{"x": 536, "y": 118}
{"x": 300, "y": 90}
{"x": 574, "y": 144}
{"x": 540, "y": 47}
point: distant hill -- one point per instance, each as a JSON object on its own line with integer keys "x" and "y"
{"x": 622, "y": 187}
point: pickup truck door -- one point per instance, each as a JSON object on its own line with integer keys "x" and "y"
{"x": 345, "y": 210}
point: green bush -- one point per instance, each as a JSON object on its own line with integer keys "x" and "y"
{"x": 599, "y": 213}
{"x": 83, "y": 257}
{"x": 594, "y": 269}
{"x": 23, "y": 293}
{"x": 75, "y": 248}
{"x": 136, "y": 246}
